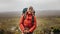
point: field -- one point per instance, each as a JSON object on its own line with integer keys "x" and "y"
{"x": 10, "y": 25}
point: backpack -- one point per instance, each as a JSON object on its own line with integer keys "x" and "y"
{"x": 24, "y": 10}
{"x": 32, "y": 19}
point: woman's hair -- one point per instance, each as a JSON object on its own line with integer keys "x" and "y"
{"x": 31, "y": 7}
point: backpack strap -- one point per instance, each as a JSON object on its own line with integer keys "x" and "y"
{"x": 32, "y": 19}
{"x": 24, "y": 16}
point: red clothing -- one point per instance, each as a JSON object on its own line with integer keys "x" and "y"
{"x": 27, "y": 23}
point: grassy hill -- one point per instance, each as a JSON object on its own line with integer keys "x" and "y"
{"x": 9, "y": 21}
{"x": 11, "y": 24}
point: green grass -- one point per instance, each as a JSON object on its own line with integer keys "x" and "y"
{"x": 42, "y": 23}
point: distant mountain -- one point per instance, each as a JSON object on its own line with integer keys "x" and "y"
{"x": 39, "y": 13}
{"x": 10, "y": 14}
{"x": 45, "y": 13}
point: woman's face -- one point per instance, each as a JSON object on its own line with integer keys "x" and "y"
{"x": 29, "y": 12}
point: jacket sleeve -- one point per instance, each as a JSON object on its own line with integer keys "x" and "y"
{"x": 34, "y": 26}
{"x": 21, "y": 25}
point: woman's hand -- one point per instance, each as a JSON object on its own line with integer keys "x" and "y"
{"x": 26, "y": 31}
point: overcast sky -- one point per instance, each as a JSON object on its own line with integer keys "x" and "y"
{"x": 18, "y": 5}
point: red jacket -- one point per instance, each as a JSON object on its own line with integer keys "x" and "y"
{"x": 27, "y": 23}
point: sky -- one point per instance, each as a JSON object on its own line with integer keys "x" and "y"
{"x": 18, "y": 5}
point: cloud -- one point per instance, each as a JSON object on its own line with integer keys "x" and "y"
{"x": 8, "y": 5}
{"x": 41, "y": 4}
{"x": 50, "y": 4}
{"x": 18, "y": 5}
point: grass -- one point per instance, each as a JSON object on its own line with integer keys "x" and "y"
{"x": 12, "y": 24}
